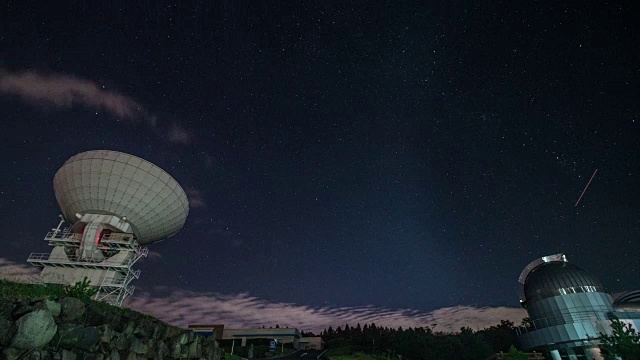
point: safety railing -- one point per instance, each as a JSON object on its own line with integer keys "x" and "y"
{"x": 75, "y": 261}
{"x": 110, "y": 241}
{"x": 121, "y": 279}
{"x": 63, "y": 236}
{"x": 120, "y": 250}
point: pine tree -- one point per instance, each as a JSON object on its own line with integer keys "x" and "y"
{"x": 623, "y": 342}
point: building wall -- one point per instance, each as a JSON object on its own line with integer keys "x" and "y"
{"x": 311, "y": 343}
{"x": 573, "y": 334}
{"x": 562, "y": 309}
{"x": 286, "y": 335}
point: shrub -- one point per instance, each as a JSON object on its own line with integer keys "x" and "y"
{"x": 81, "y": 290}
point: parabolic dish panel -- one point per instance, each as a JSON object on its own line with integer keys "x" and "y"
{"x": 111, "y": 182}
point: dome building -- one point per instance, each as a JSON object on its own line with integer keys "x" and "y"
{"x": 568, "y": 309}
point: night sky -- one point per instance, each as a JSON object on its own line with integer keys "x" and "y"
{"x": 338, "y": 156}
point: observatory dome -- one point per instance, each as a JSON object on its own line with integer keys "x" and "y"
{"x": 550, "y": 279}
{"x": 115, "y": 183}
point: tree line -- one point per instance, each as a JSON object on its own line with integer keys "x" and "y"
{"x": 425, "y": 343}
{"x": 422, "y": 342}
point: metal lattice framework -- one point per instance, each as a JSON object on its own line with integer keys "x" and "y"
{"x": 114, "y": 273}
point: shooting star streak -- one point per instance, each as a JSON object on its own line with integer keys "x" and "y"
{"x": 586, "y": 187}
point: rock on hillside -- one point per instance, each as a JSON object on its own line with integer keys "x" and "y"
{"x": 71, "y": 329}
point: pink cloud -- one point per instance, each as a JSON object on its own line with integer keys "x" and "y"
{"x": 13, "y": 271}
{"x": 182, "y": 308}
{"x": 64, "y": 91}
{"x": 179, "y": 134}
{"x": 154, "y": 255}
{"x": 196, "y": 198}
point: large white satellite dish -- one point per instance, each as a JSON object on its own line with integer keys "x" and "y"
{"x": 114, "y": 203}
{"x": 115, "y": 183}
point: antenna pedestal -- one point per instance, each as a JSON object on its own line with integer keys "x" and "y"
{"x": 94, "y": 249}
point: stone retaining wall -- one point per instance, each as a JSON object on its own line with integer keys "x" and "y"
{"x": 71, "y": 329}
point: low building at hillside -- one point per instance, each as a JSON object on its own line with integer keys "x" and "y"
{"x": 208, "y": 330}
{"x": 282, "y": 335}
{"x": 311, "y": 343}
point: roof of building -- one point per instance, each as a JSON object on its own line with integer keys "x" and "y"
{"x": 559, "y": 278}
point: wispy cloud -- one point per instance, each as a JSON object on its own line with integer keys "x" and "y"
{"x": 154, "y": 255}
{"x": 179, "y": 134}
{"x": 66, "y": 91}
{"x": 182, "y": 308}
{"x": 196, "y": 198}
{"x": 13, "y": 271}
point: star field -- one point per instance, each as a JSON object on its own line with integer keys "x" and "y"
{"x": 340, "y": 155}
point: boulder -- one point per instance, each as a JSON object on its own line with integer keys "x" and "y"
{"x": 162, "y": 350}
{"x": 44, "y": 355}
{"x": 54, "y": 307}
{"x": 115, "y": 355}
{"x": 151, "y": 347}
{"x": 88, "y": 356}
{"x": 173, "y": 332}
{"x": 130, "y": 328}
{"x": 25, "y": 308}
{"x": 6, "y": 308}
{"x": 67, "y": 355}
{"x": 72, "y": 309}
{"x": 12, "y": 354}
{"x": 88, "y": 338}
{"x": 106, "y": 334}
{"x": 117, "y": 322}
{"x": 177, "y": 350}
{"x": 95, "y": 316}
{"x": 144, "y": 329}
{"x": 122, "y": 342}
{"x": 194, "y": 350}
{"x": 132, "y": 356}
{"x": 79, "y": 337}
{"x": 138, "y": 346}
{"x": 6, "y": 331}
{"x": 182, "y": 339}
{"x": 35, "y": 330}
{"x": 71, "y": 329}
